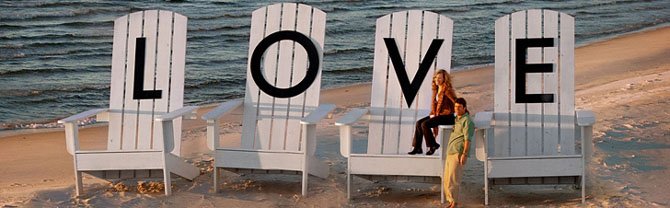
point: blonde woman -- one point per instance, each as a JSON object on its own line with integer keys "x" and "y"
{"x": 441, "y": 113}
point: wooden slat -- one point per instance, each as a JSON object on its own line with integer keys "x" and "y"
{"x": 145, "y": 118}
{"x": 163, "y": 66}
{"x": 550, "y": 110}
{"x": 264, "y": 126}
{"x": 431, "y": 28}
{"x": 380, "y": 70}
{"x": 283, "y": 76}
{"x": 128, "y": 140}
{"x": 251, "y": 96}
{"x": 393, "y": 94}
{"x": 116, "y": 97}
{"x": 538, "y": 167}
{"x": 420, "y": 165}
{"x": 534, "y": 86}
{"x": 517, "y": 110}
{"x": 176, "y": 98}
{"x": 412, "y": 59}
{"x": 443, "y": 59}
{"x": 303, "y": 25}
{"x": 312, "y": 94}
{"x": 446, "y": 33}
{"x": 501, "y": 88}
{"x": 318, "y": 34}
{"x": 567, "y": 84}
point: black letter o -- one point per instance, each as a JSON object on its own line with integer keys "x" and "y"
{"x": 312, "y": 70}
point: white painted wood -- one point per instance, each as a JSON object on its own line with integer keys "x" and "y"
{"x": 518, "y": 140}
{"x": 258, "y": 159}
{"x": 176, "y": 100}
{"x": 542, "y": 166}
{"x": 133, "y": 160}
{"x": 318, "y": 114}
{"x": 163, "y": 68}
{"x": 534, "y": 82}
{"x": 391, "y": 121}
{"x": 550, "y": 110}
{"x": 412, "y": 58}
{"x": 283, "y": 78}
{"x": 116, "y": 97}
{"x": 585, "y": 118}
{"x": 265, "y": 127}
{"x": 445, "y": 32}
{"x": 131, "y": 147}
{"x": 393, "y": 126}
{"x": 299, "y": 65}
{"x": 501, "y": 107}
{"x": 146, "y": 107}
{"x": 273, "y": 137}
{"x": 567, "y": 84}
{"x": 420, "y": 165}
{"x": 251, "y": 107}
{"x": 129, "y": 129}
{"x": 380, "y": 71}
{"x": 393, "y": 94}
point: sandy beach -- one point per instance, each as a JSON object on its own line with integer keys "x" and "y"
{"x": 625, "y": 81}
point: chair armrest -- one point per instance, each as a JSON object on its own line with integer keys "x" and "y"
{"x": 352, "y": 116}
{"x": 184, "y": 111}
{"x": 82, "y": 115}
{"x": 222, "y": 109}
{"x": 585, "y": 118}
{"x": 318, "y": 114}
{"x": 483, "y": 120}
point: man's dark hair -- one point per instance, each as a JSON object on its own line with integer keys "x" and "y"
{"x": 462, "y": 101}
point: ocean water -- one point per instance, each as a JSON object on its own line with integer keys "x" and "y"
{"x": 55, "y": 56}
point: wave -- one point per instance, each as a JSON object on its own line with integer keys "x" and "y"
{"x": 93, "y": 68}
{"x": 219, "y": 27}
{"x": 77, "y": 12}
{"x": 349, "y": 51}
{"x": 222, "y": 16}
{"x": 230, "y": 81}
{"x": 357, "y": 70}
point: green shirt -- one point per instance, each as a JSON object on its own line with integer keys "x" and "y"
{"x": 464, "y": 129}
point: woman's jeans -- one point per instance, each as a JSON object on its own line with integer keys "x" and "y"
{"x": 424, "y": 128}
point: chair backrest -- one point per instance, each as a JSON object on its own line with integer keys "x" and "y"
{"x": 149, "y": 50}
{"x": 283, "y": 77}
{"x": 534, "y": 111}
{"x": 409, "y": 47}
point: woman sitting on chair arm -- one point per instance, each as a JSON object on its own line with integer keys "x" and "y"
{"x": 441, "y": 113}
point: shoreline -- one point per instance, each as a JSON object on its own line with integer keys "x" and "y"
{"x": 54, "y": 126}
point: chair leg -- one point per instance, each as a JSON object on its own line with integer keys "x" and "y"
{"x": 305, "y": 175}
{"x": 215, "y": 175}
{"x": 79, "y": 187}
{"x": 442, "y": 190}
{"x": 349, "y": 183}
{"x": 486, "y": 191}
{"x": 168, "y": 182}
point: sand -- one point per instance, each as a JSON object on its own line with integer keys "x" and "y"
{"x": 625, "y": 81}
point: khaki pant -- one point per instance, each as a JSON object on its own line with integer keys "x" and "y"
{"x": 452, "y": 177}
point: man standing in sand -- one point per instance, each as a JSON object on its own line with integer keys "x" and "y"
{"x": 457, "y": 150}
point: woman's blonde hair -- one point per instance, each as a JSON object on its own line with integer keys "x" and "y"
{"x": 447, "y": 80}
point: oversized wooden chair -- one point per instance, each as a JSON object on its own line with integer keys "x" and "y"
{"x": 281, "y": 104}
{"x": 532, "y": 135}
{"x": 409, "y": 47}
{"x": 145, "y": 105}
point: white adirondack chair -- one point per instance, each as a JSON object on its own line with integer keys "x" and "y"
{"x": 393, "y": 110}
{"x": 531, "y": 136}
{"x": 279, "y": 130}
{"x": 144, "y": 131}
